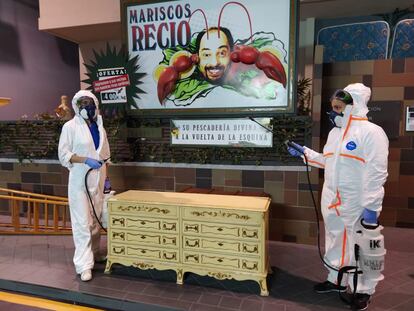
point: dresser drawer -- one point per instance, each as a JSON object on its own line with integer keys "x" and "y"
{"x": 222, "y": 261}
{"x": 144, "y": 209}
{"x": 223, "y": 215}
{"x": 132, "y": 237}
{"x": 221, "y": 245}
{"x": 142, "y": 252}
{"x": 223, "y": 230}
{"x": 136, "y": 223}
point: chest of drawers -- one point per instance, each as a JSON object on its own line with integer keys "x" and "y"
{"x": 221, "y": 236}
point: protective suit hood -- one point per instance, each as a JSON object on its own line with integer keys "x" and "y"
{"x": 360, "y": 95}
{"x": 80, "y": 94}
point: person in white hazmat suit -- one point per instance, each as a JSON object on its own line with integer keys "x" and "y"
{"x": 355, "y": 159}
{"x": 84, "y": 145}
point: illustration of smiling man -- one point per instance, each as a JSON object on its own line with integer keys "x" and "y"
{"x": 214, "y": 53}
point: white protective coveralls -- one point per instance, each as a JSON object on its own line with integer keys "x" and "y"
{"x": 77, "y": 139}
{"x": 355, "y": 160}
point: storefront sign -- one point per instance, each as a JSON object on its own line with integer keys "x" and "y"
{"x": 111, "y": 85}
{"x": 222, "y": 132}
{"x": 214, "y": 54}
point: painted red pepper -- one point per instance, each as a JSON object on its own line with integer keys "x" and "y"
{"x": 170, "y": 75}
{"x": 265, "y": 61}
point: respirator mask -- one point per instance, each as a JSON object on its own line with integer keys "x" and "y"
{"x": 336, "y": 118}
{"x": 87, "y": 108}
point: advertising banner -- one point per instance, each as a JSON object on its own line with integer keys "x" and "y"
{"x": 239, "y": 132}
{"x": 212, "y": 54}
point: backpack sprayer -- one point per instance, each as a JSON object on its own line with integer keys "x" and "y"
{"x": 369, "y": 248}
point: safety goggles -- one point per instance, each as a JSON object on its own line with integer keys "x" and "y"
{"x": 84, "y": 102}
{"x": 343, "y": 96}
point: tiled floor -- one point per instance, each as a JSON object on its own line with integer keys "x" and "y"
{"x": 47, "y": 261}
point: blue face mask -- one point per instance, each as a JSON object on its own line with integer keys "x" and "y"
{"x": 335, "y": 118}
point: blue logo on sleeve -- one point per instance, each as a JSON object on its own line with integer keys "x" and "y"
{"x": 351, "y": 145}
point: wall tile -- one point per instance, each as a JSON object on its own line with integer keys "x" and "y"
{"x": 7, "y": 166}
{"x": 410, "y": 202}
{"x": 382, "y": 67}
{"x": 51, "y": 178}
{"x": 398, "y": 65}
{"x": 203, "y": 173}
{"x": 291, "y": 180}
{"x": 204, "y": 183}
{"x": 401, "y": 142}
{"x": 409, "y": 92}
{"x": 233, "y": 174}
{"x": 32, "y": 167}
{"x": 253, "y": 179}
{"x": 407, "y": 168}
{"x": 305, "y": 186}
{"x": 27, "y": 187}
{"x": 409, "y": 64}
{"x": 218, "y": 177}
{"x": 339, "y": 82}
{"x": 273, "y": 176}
{"x": 393, "y": 80}
{"x": 406, "y": 183}
{"x": 14, "y": 186}
{"x": 31, "y": 177}
{"x": 392, "y": 188}
{"x": 185, "y": 175}
{"x": 11, "y": 176}
{"x": 164, "y": 171}
{"x": 405, "y": 216}
{"x": 291, "y": 197}
{"x": 48, "y": 189}
{"x": 394, "y": 154}
{"x": 54, "y": 168}
{"x": 388, "y": 217}
{"x": 407, "y": 155}
{"x": 233, "y": 183}
{"x": 387, "y": 93}
{"x": 367, "y": 80}
{"x": 275, "y": 189}
{"x": 337, "y": 69}
{"x": 394, "y": 202}
{"x": 393, "y": 171}
{"x": 362, "y": 67}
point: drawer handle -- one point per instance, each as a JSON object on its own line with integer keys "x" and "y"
{"x": 195, "y": 257}
{"x": 121, "y": 221}
{"x": 143, "y": 222}
{"x": 121, "y": 235}
{"x": 246, "y": 235}
{"x": 168, "y": 227}
{"x": 143, "y": 251}
{"x": 191, "y": 228}
{"x": 254, "y": 250}
{"x": 169, "y": 241}
{"x": 220, "y": 260}
{"x": 220, "y": 244}
{"x": 143, "y": 237}
{"x": 196, "y": 243}
{"x": 220, "y": 229}
{"x": 118, "y": 250}
{"x": 254, "y": 267}
{"x": 165, "y": 255}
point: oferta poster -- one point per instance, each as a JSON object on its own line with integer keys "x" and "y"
{"x": 213, "y": 55}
